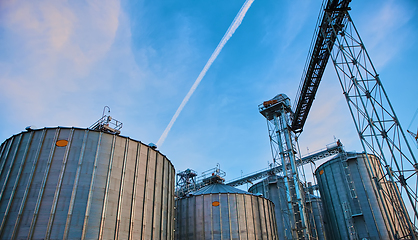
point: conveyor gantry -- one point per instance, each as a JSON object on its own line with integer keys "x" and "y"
{"x": 315, "y": 65}
{"x": 330, "y": 150}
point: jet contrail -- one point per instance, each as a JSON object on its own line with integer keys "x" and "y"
{"x": 235, "y": 24}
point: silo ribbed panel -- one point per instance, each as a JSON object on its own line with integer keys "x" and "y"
{"x": 95, "y": 186}
{"x": 222, "y": 213}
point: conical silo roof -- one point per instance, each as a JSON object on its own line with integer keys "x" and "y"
{"x": 218, "y": 188}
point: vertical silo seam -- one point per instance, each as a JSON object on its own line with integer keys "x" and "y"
{"x": 203, "y": 219}
{"x": 188, "y": 208}
{"x": 195, "y": 217}
{"x": 10, "y": 143}
{"x": 267, "y": 219}
{"x": 165, "y": 233}
{"x": 3, "y": 146}
{"x": 273, "y": 225}
{"x": 6, "y": 178}
{"x": 136, "y": 191}
{"x": 23, "y": 162}
{"x": 211, "y": 216}
{"x": 144, "y": 199}
{"x": 162, "y": 200}
{"x": 153, "y": 196}
{"x": 254, "y": 217}
{"x": 370, "y": 205}
{"x": 121, "y": 186}
{"x": 76, "y": 179}
{"x": 268, "y": 213}
{"x": 333, "y": 204}
{"x": 377, "y": 193}
{"x": 382, "y": 201}
{"x": 245, "y": 214}
{"x": 272, "y": 221}
{"x": 171, "y": 203}
{"x": 373, "y": 174}
{"x": 249, "y": 202}
{"x": 263, "y": 218}
{"x": 229, "y": 213}
{"x": 154, "y": 213}
{"x": 260, "y": 233}
{"x": 106, "y": 194}
{"x": 41, "y": 190}
{"x": 90, "y": 196}
{"x": 30, "y": 178}
{"x": 132, "y": 215}
{"x": 238, "y": 218}
{"x": 59, "y": 184}
{"x": 220, "y": 217}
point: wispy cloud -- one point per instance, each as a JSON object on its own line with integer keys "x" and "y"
{"x": 51, "y": 48}
{"x": 382, "y": 30}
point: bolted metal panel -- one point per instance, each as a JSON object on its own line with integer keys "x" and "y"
{"x": 350, "y": 198}
{"x": 314, "y": 204}
{"x": 226, "y": 215}
{"x": 275, "y": 190}
{"x": 71, "y": 183}
{"x": 9, "y": 188}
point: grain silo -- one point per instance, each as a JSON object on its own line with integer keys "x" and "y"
{"x": 273, "y": 188}
{"x": 73, "y": 183}
{"x": 218, "y": 211}
{"x": 350, "y": 199}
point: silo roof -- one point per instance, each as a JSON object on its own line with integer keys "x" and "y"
{"x": 218, "y": 188}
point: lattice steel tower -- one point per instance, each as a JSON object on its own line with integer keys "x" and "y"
{"x": 278, "y": 114}
{"x": 396, "y": 179}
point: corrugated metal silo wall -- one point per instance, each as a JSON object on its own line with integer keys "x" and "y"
{"x": 274, "y": 189}
{"x": 238, "y": 216}
{"x": 276, "y": 192}
{"x": 315, "y": 216}
{"x": 349, "y": 196}
{"x": 98, "y": 186}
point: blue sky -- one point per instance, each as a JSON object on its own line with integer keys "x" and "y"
{"x": 61, "y": 62}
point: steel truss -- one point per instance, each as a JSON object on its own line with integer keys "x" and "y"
{"x": 377, "y": 126}
{"x": 278, "y": 115}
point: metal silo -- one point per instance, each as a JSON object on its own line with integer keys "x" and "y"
{"x": 274, "y": 189}
{"x": 72, "y": 183}
{"x": 350, "y": 197}
{"x": 315, "y": 216}
{"x": 218, "y": 211}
